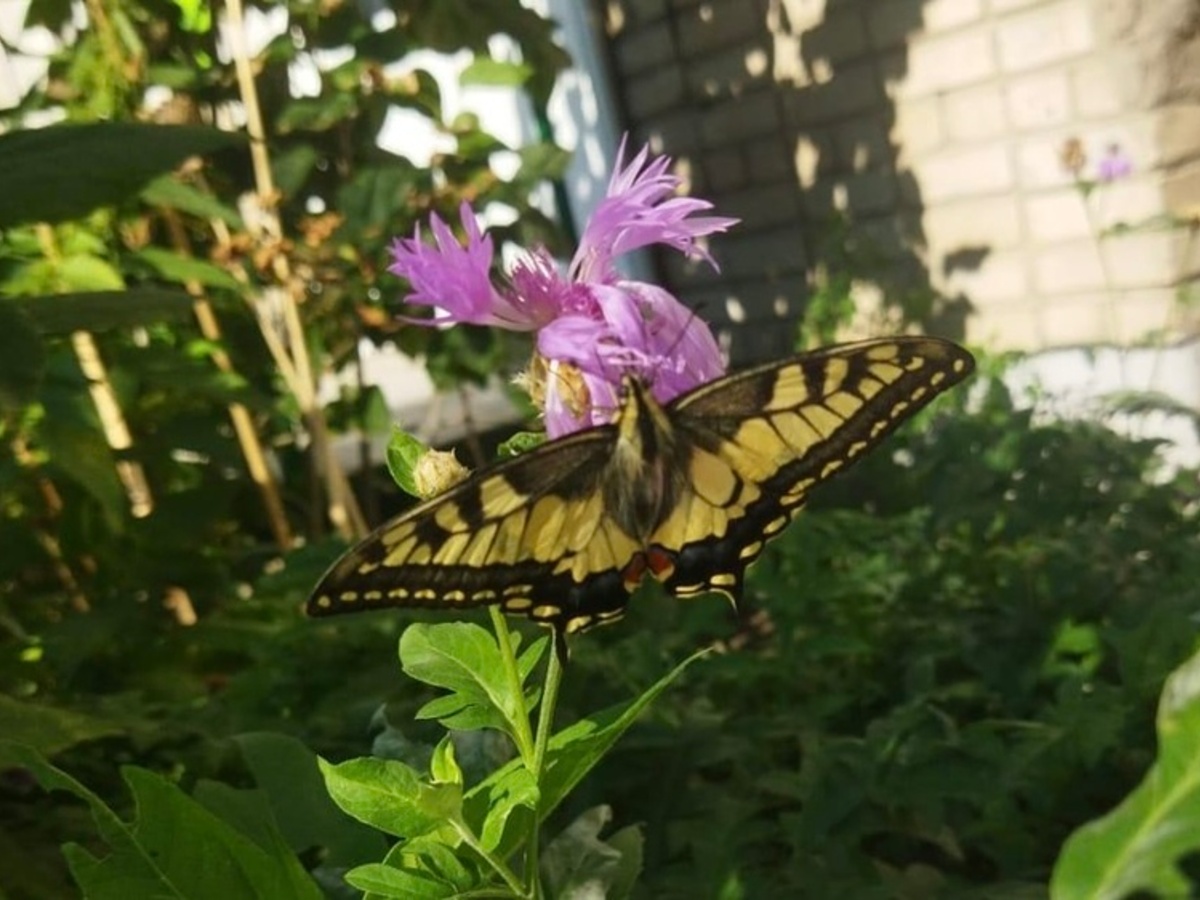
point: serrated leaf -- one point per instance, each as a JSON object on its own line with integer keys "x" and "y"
{"x": 570, "y": 755}
{"x": 1137, "y": 847}
{"x": 175, "y": 848}
{"x": 465, "y": 660}
{"x": 391, "y": 796}
{"x": 50, "y": 174}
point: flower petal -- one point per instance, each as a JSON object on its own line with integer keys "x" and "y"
{"x": 640, "y": 209}
{"x": 455, "y": 278}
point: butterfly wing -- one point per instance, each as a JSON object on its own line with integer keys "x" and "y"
{"x": 755, "y": 443}
{"x": 530, "y": 534}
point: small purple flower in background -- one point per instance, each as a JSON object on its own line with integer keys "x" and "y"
{"x": 1115, "y": 164}
{"x": 594, "y": 327}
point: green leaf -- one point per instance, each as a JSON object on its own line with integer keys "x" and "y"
{"x": 316, "y": 113}
{"x": 487, "y": 71}
{"x": 291, "y": 167}
{"x": 103, "y": 310}
{"x": 391, "y": 796}
{"x": 570, "y": 755}
{"x": 48, "y": 729}
{"x": 516, "y": 790}
{"x": 65, "y": 171}
{"x": 172, "y": 266}
{"x": 22, "y": 357}
{"x": 631, "y": 844}
{"x": 443, "y": 768}
{"x": 79, "y": 451}
{"x": 405, "y": 884}
{"x": 374, "y": 415}
{"x": 250, "y": 813}
{"x": 1138, "y": 846}
{"x": 171, "y": 193}
{"x": 403, "y": 453}
{"x": 175, "y": 848}
{"x": 465, "y": 660}
{"x": 438, "y": 856}
{"x": 578, "y": 865}
{"x": 85, "y": 272}
{"x": 288, "y": 774}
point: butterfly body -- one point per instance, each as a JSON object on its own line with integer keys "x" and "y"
{"x": 688, "y": 492}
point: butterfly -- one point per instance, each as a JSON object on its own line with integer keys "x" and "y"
{"x": 686, "y": 492}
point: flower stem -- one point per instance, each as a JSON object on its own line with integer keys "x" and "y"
{"x": 544, "y": 726}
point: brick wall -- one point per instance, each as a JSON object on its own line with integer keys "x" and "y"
{"x": 935, "y": 128}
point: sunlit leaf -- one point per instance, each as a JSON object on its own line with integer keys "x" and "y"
{"x": 465, "y": 660}
{"x": 391, "y": 796}
{"x": 1140, "y": 846}
{"x": 494, "y": 73}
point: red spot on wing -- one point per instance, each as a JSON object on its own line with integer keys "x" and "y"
{"x": 634, "y": 571}
{"x": 660, "y": 562}
{"x": 657, "y": 561}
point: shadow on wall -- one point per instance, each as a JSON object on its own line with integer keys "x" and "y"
{"x": 838, "y": 73}
{"x": 783, "y": 112}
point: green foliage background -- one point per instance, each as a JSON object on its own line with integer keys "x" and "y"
{"x": 952, "y": 659}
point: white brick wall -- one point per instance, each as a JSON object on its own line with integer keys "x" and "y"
{"x": 938, "y": 126}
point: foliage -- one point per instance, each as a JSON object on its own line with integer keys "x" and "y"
{"x": 1148, "y": 842}
{"x": 458, "y": 838}
{"x": 951, "y": 664}
{"x": 948, "y": 665}
{"x": 159, "y": 441}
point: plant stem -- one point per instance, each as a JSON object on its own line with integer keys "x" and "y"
{"x": 498, "y": 865}
{"x": 544, "y": 726}
{"x": 523, "y": 736}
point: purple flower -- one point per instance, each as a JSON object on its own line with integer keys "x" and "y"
{"x": 594, "y": 327}
{"x": 1114, "y": 165}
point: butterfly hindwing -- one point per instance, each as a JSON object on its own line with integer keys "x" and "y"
{"x": 760, "y": 440}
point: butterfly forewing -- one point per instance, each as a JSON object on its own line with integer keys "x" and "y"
{"x": 511, "y": 535}
{"x": 760, "y": 440}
